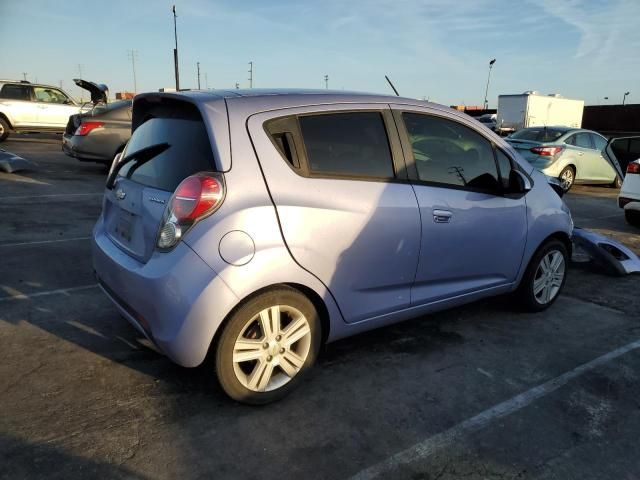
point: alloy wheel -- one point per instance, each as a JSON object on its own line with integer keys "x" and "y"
{"x": 566, "y": 179}
{"x": 549, "y": 277}
{"x": 271, "y": 348}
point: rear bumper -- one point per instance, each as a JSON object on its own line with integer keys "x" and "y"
{"x": 84, "y": 148}
{"x": 174, "y": 299}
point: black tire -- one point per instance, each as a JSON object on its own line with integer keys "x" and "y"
{"x": 4, "y": 129}
{"x": 617, "y": 183}
{"x": 632, "y": 217}
{"x": 570, "y": 179}
{"x": 236, "y": 325}
{"x": 525, "y": 294}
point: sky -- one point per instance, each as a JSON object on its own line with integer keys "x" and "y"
{"x": 434, "y": 49}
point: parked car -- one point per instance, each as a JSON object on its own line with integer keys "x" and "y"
{"x": 572, "y": 155}
{"x": 257, "y": 225}
{"x": 626, "y": 150}
{"x": 30, "y": 107}
{"x": 98, "y": 135}
{"x": 488, "y": 120}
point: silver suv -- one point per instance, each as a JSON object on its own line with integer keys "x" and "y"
{"x": 30, "y": 107}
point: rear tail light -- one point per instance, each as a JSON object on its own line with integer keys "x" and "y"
{"x": 546, "y": 151}
{"x": 197, "y": 197}
{"x": 633, "y": 167}
{"x": 86, "y": 127}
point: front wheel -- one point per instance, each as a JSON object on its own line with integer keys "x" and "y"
{"x": 544, "y": 278}
{"x": 267, "y": 346}
{"x": 567, "y": 177}
{"x": 4, "y": 129}
{"x": 632, "y": 217}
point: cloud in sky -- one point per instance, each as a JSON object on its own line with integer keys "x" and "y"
{"x": 433, "y": 48}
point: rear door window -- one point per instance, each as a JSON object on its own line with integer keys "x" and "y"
{"x": 189, "y": 152}
{"x": 599, "y": 142}
{"x": 16, "y": 92}
{"x": 351, "y": 144}
{"x": 582, "y": 140}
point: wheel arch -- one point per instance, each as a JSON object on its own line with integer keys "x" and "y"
{"x": 308, "y": 292}
{"x": 7, "y": 119}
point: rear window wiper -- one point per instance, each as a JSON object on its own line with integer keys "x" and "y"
{"x": 140, "y": 157}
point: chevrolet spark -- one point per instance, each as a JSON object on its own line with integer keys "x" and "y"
{"x": 254, "y": 226}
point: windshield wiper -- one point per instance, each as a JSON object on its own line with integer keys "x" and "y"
{"x": 140, "y": 158}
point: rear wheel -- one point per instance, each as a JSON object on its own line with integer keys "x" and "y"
{"x": 4, "y": 129}
{"x": 567, "y": 177}
{"x": 617, "y": 183}
{"x": 267, "y": 346}
{"x": 632, "y": 217}
{"x": 544, "y": 278}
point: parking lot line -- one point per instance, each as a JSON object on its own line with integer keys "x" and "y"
{"x": 16, "y": 295}
{"x": 42, "y": 242}
{"x": 23, "y": 197}
{"x": 447, "y": 438}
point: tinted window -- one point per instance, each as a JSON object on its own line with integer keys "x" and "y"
{"x": 347, "y": 144}
{"x": 582, "y": 139}
{"x": 538, "y": 134}
{"x": 504, "y": 164}
{"x": 599, "y": 142}
{"x": 189, "y": 152}
{"x": 449, "y": 153}
{"x": 15, "y": 92}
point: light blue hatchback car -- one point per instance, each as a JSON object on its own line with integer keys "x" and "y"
{"x": 255, "y": 226}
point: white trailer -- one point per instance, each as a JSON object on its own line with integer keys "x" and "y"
{"x": 533, "y": 109}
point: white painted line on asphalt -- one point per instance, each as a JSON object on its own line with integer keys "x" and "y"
{"x": 22, "y": 197}
{"x": 447, "y": 438}
{"x": 42, "y": 242}
{"x": 16, "y": 295}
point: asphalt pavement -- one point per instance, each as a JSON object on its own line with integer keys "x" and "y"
{"x": 477, "y": 392}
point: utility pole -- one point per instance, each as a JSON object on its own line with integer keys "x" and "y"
{"x": 24, "y": 75}
{"x": 326, "y": 82}
{"x": 237, "y": 85}
{"x": 133, "y": 54}
{"x": 198, "y": 64}
{"x": 206, "y": 81}
{"x": 486, "y": 103}
{"x": 625, "y": 97}
{"x": 250, "y": 74}
{"x": 175, "y": 50}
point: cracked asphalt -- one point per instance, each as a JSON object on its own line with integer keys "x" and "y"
{"x": 82, "y": 396}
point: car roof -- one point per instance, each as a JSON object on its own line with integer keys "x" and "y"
{"x": 27, "y": 83}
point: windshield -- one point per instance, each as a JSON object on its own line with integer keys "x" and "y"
{"x": 541, "y": 134}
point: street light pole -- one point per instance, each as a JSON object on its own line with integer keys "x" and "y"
{"x": 625, "y": 97}
{"x": 175, "y": 50}
{"x": 486, "y": 91}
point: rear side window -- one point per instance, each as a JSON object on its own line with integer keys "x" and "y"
{"x": 15, "y": 92}
{"x": 448, "y": 153}
{"x": 189, "y": 152}
{"x": 582, "y": 140}
{"x": 350, "y": 144}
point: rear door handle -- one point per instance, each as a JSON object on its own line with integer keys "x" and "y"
{"x": 442, "y": 216}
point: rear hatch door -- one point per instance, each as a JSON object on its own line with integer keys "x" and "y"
{"x": 99, "y": 91}
{"x": 133, "y": 208}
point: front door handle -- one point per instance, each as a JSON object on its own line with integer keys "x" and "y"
{"x": 442, "y": 216}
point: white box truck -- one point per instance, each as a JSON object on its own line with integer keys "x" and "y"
{"x": 533, "y": 109}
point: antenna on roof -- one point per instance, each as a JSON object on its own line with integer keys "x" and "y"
{"x": 394, "y": 88}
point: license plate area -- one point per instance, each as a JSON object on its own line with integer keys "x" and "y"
{"x": 124, "y": 226}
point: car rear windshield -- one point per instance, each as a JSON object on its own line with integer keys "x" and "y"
{"x": 189, "y": 152}
{"x": 539, "y": 134}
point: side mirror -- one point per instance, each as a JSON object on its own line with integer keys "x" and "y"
{"x": 519, "y": 182}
